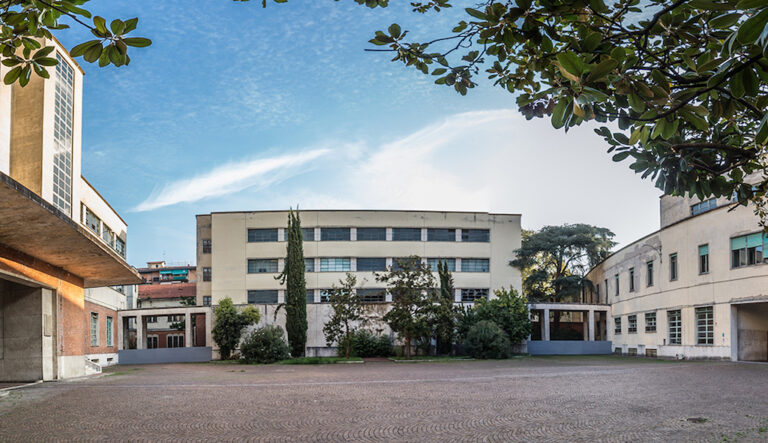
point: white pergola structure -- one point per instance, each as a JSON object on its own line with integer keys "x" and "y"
{"x": 141, "y": 324}
{"x": 588, "y": 309}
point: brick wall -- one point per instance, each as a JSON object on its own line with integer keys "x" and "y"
{"x": 103, "y": 313}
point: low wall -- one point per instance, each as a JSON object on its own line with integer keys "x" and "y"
{"x": 568, "y": 347}
{"x": 167, "y": 355}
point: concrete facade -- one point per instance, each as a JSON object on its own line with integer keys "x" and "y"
{"x": 224, "y": 252}
{"x": 698, "y": 303}
{"x": 49, "y": 253}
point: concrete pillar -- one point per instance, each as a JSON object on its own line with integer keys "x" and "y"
{"x": 141, "y": 342}
{"x": 120, "y": 327}
{"x": 545, "y": 322}
{"x": 187, "y": 330}
{"x": 208, "y": 328}
{"x": 591, "y": 319}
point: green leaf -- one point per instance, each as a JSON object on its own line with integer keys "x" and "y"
{"x": 439, "y": 71}
{"x": 636, "y": 103}
{"x": 394, "y": 30}
{"x": 750, "y": 82}
{"x": 762, "y": 130}
{"x": 101, "y": 24}
{"x": 476, "y": 14}
{"x": 737, "y": 86}
{"x": 47, "y": 61}
{"x": 620, "y": 156}
{"x": 80, "y": 49}
{"x": 12, "y": 75}
{"x": 750, "y": 30}
{"x": 602, "y": 69}
{"x": 43, "y": 52}
{"x": 749, "y": 4}
{"x": 92, "y": 53}
{"x": 725, "y": 21}
{"x": 571, "y": 63}
{"x": 130, "y": 25}
{"x": 138, "y": 42}
{"x": 558, "y": 113}
{"x": 117, "y": 26}
{"x": 591, "y": 41}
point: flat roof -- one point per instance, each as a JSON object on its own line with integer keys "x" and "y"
{"x": 361, "y": 210}
{"x": 38, "y": 229}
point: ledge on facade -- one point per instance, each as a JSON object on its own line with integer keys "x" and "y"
{"x": 35, "y": 228}
{"x": 569, "y": 306}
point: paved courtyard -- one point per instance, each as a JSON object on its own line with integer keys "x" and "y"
{"x": 525, "y": 399}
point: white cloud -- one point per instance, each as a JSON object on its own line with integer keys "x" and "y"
{"x": 229, "y": 178}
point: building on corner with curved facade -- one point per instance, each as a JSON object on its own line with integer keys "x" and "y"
{"x": 697, "y": 288}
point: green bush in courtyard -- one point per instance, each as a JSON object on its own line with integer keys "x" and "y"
{"x": 230, "y": 323}
{"x": 265, "y": 345}
{"x": 487, "y": 340}
{"x": 366, "y": 344}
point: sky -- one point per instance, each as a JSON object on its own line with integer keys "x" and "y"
{"x": 238, "y": 108}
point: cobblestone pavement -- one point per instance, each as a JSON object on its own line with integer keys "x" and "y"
{"x": 526, "y": 399}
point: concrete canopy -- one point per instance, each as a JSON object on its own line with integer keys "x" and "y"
{"x": 37, "y": 229}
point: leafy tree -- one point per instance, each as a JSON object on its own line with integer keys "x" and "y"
{"x": 412, "y": 286}
{"x": 296, "y": 287}
{"x": 24, "y": 23}
{"x": 230, "y": 323}
{"x": 347, "y": 312}
{"x": 508, "y": 310}
{"x": 685, "y": 82}
{"x": 444, "y": 311}
{"x": 556, "y": 259}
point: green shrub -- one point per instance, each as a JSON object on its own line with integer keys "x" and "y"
{"x": 367, "y": 344}
{"x": 486, "y": 340}
{"x": 265, "y": 345}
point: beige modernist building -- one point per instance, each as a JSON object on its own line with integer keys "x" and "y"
{"x": 240, "y": 253}
{"x": 696, "y": 288}
{"x": 58, "y": 236}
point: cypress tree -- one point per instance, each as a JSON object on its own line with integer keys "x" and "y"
{"x": 296, "y": 287}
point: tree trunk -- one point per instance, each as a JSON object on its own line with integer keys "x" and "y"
{"x": 408, "y": 347}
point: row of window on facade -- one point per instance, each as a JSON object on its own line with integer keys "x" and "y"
{"x": 367, "y": 295}
{"x": 375, "y": 234}
{"x": 108, "y": 325}
{"x": 94, "y": 223}
{"x": 172, "y": 341}
{"x": 746, "y": 250}
{"x": 336, "y": 264}
{"x": 705, "y": 334}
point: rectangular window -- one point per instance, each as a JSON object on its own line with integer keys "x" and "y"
{"x": 476, "y": 235}
{"x": 472, "y": 294}
{"x": 62, "y": 135}
{"x": 334, "y": 265}
{"x": 325, "y": 295}
{"x": 650, "y": 322}
{"x": 434, "y": 234}
{"x": 631, "y": 279}
{"x": 675, "y": 321}
{"x": 406, "y": 234}
{"x": 262, "y": 235}
{"x": 309, "y": 264}
{"x": 748, "y": 250}
{"x": 631, "y": 324}
{"x": 334, "y": 234}
{"x": 703, "y": 259}
{"x": 152, "y": 342}
{"x": 310, "y": 296}
{"x": 705, "y": 326}
{"x": 597, "y": 292}
{"x": 371, "y": 234}
{"x": 206, "y": 274}
{"x": 372, "y": 295}
{"x": 262, "y": 296}
{"x": 207, "y": 246}
{"x": 475, "y": 265}
{"x": 606, "y": 289}
{"x": 94, "y": 329}
{"x": 109, "y": 332}
{"x": 433, "y": 262}
{"x": 649, "y": 271}
{"x": 371, "y": 264}
{"x": 92, "y": 221}
{"x": 617, "y": 325}
{"x": 308, "y": 234}
{"x": 206, "y": 300}
{"x": 262, "y": 265}
{"x": 108, "y": 236}
{"x": 673, "y": 267}
{"x": 704, "y": 206}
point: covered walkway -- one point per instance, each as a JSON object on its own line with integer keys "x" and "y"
{"x": 569, "y": 328}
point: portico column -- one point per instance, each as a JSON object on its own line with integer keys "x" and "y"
{"x": 140, "y": 340}
{"x": 546, "y": 324}
{"x": 120, "y": 327}
{"x": 209, "y": 327}
{"x": 591, "y": 314}
{"x": 187, "y": 330}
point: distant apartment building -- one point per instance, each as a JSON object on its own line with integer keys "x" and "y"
{"x": 696, "y": 288}
{"x": 240, "y": 253}
{"x": 58, "y": 236}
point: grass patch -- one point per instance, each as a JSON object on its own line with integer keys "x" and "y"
{"x": 318, "y": 360}
{"x": 433, "y": 358}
